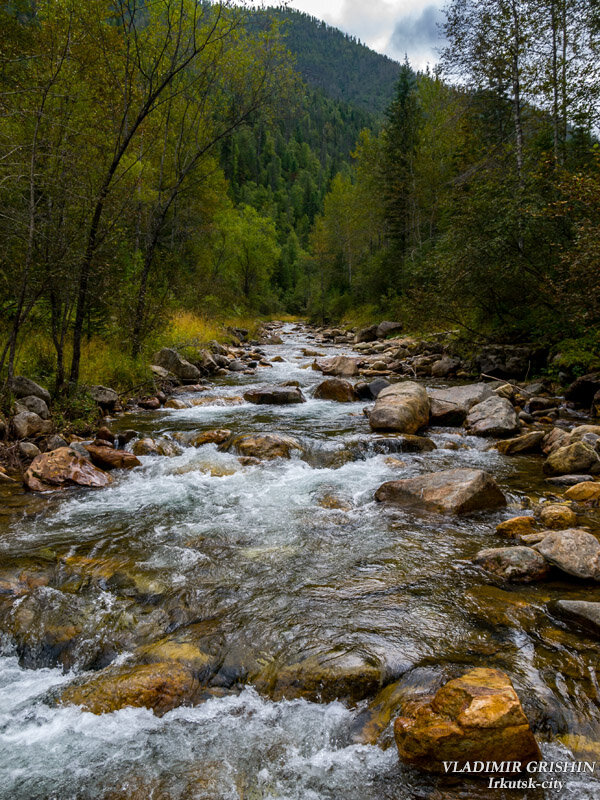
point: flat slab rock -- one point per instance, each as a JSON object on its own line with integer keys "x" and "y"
{"x": 449, "y": 407}
{"x": 274, "y": 396}
{"x": 574, "y": 551}
{"x": 63, "y": 467}
{"x": 453, "y": 491}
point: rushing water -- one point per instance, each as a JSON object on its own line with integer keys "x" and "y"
{"x": 264, "y": 566}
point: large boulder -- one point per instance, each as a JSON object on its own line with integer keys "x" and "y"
{"x": 35, "y": 404}
{"x": 366, "y": 334}
{"x": 515, "y": 564}
{"x": 109, "y": 458}
{"x": 336, "y": 389}
{"x": 169, "y": 359}
{"x": 106, "y": 398}
{"x": 274, "y": 395}
{"x": 63, "y": 467}
{"x": 26, "y": 425}
{"x": 582, "y": 390}
{"x": 477, "y": 717}
{"x": 402, "y": 407}
{"x": 493, "y": 417}
{"x": 341, "y": 366}
{"x": 159, "y": 686}
{"x": 574, "y": 551}
{"x": 265, "y": 446}
{"x": 385, "y": 329}
{"x": 572, "y": 459}
{"x": 449, "y": 407}
{"x": 444, "y": 366}
{"x": 453, "y": 491}
{"x": 23, "y": 387}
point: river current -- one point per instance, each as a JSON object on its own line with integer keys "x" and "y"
{"x": 266, "y": 565}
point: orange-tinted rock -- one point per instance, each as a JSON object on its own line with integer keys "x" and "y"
{"x": 266, "y": 445}
{"x": 160, "y": 686}
{"x": 557, "y": 516}
{"x": 108, "y": 458}
{"x": 63, "y": 467}
{"x": 477, "y": 717}
{"x": 517, "y": 526}
{"x": 336, "y": 389}
{"x": 586, "y": 492}
{"x": 207, "y": 437}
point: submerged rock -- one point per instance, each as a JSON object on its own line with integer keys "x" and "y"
{"x": 516, "y": 564}
{"x": 477, "y": 717}
{"x": 160, "y": 686}
{"x": 262, "y": 446}
{"x": 403, "y": 407}
{"x": 274, "y": 395}
{"x": 516, "y": 527}
{"x": 493, "y": 417}
{"x": 336, "y": 389}
{"x": 453, "y": 491}
{"x": 574, "y": 551}
{"x": 584, "y": 612}
{"x": 63, "y": 467}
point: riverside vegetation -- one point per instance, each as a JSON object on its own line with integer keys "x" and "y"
{"x": 244, "y": 558}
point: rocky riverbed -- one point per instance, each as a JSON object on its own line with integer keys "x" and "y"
{"x": 270, "y": 577}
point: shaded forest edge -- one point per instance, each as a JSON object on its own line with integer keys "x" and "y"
{"x": 173, "y": 170}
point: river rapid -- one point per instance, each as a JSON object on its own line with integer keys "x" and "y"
{"x": 265, "y": 566}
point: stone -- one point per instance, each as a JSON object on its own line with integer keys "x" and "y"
{"x": 556, "y": 438}
{"x": 162, "y": 373}
{"x": 155, "y": 447}
{"x": 385, "y": 329}
{"x": 477, "y": 717}
{"x": 444, "y": 366}
{"x": 449, "y": 407}
{"x": 160, "y": 686}
{"x": 206, "y": 437}
{"x": 527, "y": 443}
{"x": 493, "y": 417}
{"x": 557, "y": 517}
{"x": 402, "y": 407}
{"x": 28, "y": 450}
{"x": 63, "y": 467}
{"x": 377, "y": 386}
{"x": 106, "y": 434}
{"x": 54, "y": 442}
{"x": 366, "y": 334}
{"x": 571, "y": 459}
{"x": 586, "y": 492}
{"x": 108, "y": 458}
{"x": 23, "y": 387}
{"x": 574, "y": 551}
{"x": 516, "y": 527}
{"x": 379, "y": 365}
{"x": 595, "y": 407}
{"x": 236, "y": 365}
{"x": 149, "y": 403}
{"x": 336, "y": 389}
{"x": 340, "y": 366}
{"x": 584, "y": 612}
{"x": 582, "y": 391}
{"x": 517, "y": 564}
{"x": 510, "y": 361}
{"x": 27, "y": 425}
{"x": 263, "y": 446}
{"x": 274, "y": 395}
{"x": 169, "y": 359}
{"x": 106, "y": 398}
{"x": 177, "y": 404}
{"x": 454, "y": 491}
{"x": 570, "y": 480}
{"x": 35, "y": 404}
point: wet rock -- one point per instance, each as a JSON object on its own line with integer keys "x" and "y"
{"x": 571, "y": 459}
{"x": 160, "y": 686}
{"x": 403, "y": 407}
{"x": 108, "y": 458}
{"x": 63, "y": 467}
{"x": 527, "y": 443}
{"x": 582, "y": 390}
{"x": 557, "y": 517}
{"x": 262, "y": 446}
{"x": 366, "y": 334}
{"x": 169, "y": 359}
{"x": 27, "y": 425}
{"x": 195, "y": 439}
{"x": 493, "y": 417}
{"x": 28, "y": 450}
{"x": 555, "y": 439}
{"x": 35, "y": 404}
{"x": 23, "y": 387}
{"x": 106, "y": 398}
{"x": 584, "y": 612}
{"x": 177, "y": 404}
{"x": 570, "y": 480}
{"x": 181, "y": 649}
{"x": 340, "y": 366}
{"x": 517, "y": 564}
{"x": 444, "y": 367}
{"x": 454, "y": 491}
{"x": 105, "y": 434}
{"x": 156, "y": 447}
{"x": 477, "y": 717}
{"x": 336, "y": 389}
{"x": 274, "y": 395}
{"x": 585, "y": 492}
{"x": 516, "y": 527}
{"x": 449, "y": 407}
{"x": 236, "y": 366}
{"x": 149, "y": 403}
{"x": 574, "y": 551}
{"x": 385, "y": 329}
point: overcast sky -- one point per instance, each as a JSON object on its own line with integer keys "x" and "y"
{"x": 394, "y": 27}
